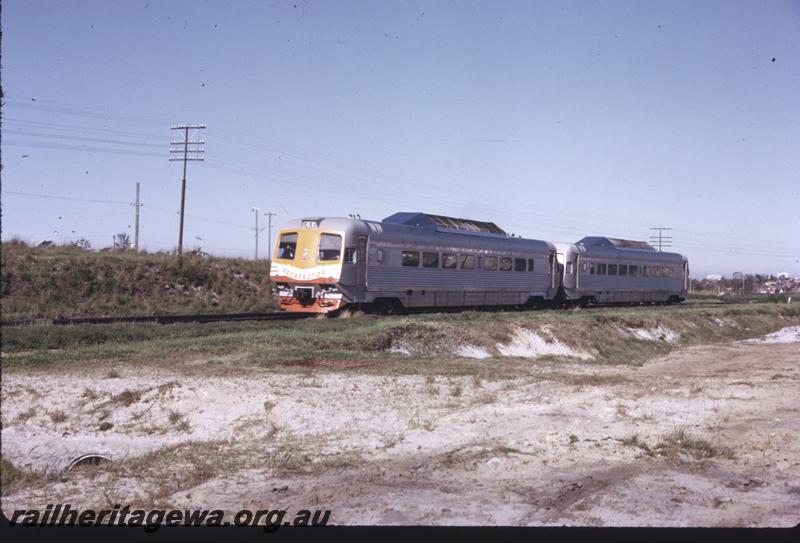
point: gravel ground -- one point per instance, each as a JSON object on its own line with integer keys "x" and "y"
{"x": 706, "y": 436}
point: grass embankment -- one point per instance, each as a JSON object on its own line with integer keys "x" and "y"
{"x": 609, "y": 335}
{"x": 50, "y": 282}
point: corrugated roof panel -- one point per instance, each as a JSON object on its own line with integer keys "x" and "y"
{"x": 448, "y": 223}
{"x": 468, "y": 225}
{"x": 630, "y": 244}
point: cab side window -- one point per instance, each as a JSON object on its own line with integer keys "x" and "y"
{"x": 330, "y": 247}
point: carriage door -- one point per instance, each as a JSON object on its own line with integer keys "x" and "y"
{"x": 361, "y": 268}
{"x": 686, "y": 282}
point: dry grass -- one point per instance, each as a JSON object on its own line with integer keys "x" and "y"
{"x": 25, "y": 415}
{"x": 127, "y": 397}
{"x": 89, "y": 394}
{"x": 13, "y": 479}
{"x": 418, "y": 423}
{"x": 679, "y": 442}
{"x": 57, "y": 417}
{"x": 179, "y": 421}
{"x": 49, "y": 282}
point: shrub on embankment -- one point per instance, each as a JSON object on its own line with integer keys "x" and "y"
{"x": 49, "y": 282}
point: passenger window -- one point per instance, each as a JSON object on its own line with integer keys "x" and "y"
{"x": 467, "y": 262}
{"x": 519, "y": 264}
{"x": 646, "y": 271}
{"x": 379, "y": 255}
{"x": 612, "y": 269}
{"x": 449, "y": 261}
{"x": 330, "y": 246}
{"x": 430, "y": 260}
{"x": 601, "y": 269}
{"x": 592, "y": 270}
{"x": 623, "y": 269}
{"x": 633, "y": 270}
{"x": 530, "y": 265}
{"x": 506, "y": 263}
{"x": 287, "y": 246}
{"x": 350, "y": 255}
{"x": 490, "y": 263}
{"x": 411, "y": 258}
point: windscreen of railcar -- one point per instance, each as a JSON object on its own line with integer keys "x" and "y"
{"x": 287, "y": 246}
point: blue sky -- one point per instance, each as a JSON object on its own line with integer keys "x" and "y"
{"x": 553, "y": 119}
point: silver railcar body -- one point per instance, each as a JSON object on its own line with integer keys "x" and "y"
{"x": 607, "y": 270}
{"x": 412, "y": 260}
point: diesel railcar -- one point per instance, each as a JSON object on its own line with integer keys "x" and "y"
{"x": 408, "y": 260}
{"x": 418, "y": 260}
{"x": 602, "y": 270}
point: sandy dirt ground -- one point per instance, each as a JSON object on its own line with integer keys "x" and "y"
{"x": 570, "y": 443}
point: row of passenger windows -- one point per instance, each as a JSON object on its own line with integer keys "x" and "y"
{"x": 631, "y": 270}
{"x": 452, "y": 261}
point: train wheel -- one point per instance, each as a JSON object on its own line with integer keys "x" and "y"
{"x": 389, "y": 307}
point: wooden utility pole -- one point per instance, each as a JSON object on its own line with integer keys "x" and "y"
{"x": 136, "y": 205}
{"x": 255, "y": 213}
{"x": 179, "y": 150}
{"x": 269, "y": 216}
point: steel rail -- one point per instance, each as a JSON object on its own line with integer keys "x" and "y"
{"x": 162, "y": 319}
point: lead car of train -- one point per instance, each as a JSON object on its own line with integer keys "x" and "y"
{"x": 418, "y": 260}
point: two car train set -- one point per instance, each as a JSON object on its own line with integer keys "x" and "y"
{"x": 417, "y": 260}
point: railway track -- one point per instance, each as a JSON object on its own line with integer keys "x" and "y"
{"x": 163, "y": 319}
{"x": 218, "y": 317}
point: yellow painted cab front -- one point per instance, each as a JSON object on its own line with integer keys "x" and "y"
{"x": 306, "y": 266}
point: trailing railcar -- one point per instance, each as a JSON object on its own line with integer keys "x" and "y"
{"x": 409, "y": 260}
{"x": 601, "y": 270}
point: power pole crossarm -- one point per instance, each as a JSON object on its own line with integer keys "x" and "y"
{"x": 663, "y": 241}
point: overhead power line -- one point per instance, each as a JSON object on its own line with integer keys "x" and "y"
{"x": 107, "y": 150}
{"x": 57, "y": 197}
{"x": 85, "y": 138}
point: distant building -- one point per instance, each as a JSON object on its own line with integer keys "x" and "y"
{"x": 713, "y": 277}
{"x": 783, "y": 275}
